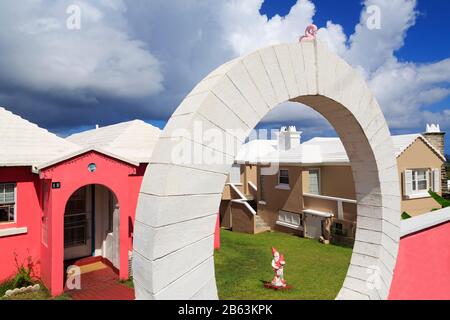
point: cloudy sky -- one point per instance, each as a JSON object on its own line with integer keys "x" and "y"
{"x": 139, "y": 58}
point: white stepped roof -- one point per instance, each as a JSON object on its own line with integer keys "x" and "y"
{"x": 255, "y": 149}
{"x": 25, "y": 144}
{"x": 133, "y": 140}
{"x": 316, "y": 151}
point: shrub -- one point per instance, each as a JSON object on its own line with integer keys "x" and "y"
{"x": 405, "y": 216}
{"x": 23, "y": 277}
{"x": 443, "y": 202}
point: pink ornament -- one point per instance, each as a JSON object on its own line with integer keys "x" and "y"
{"x": 310, "y": 33}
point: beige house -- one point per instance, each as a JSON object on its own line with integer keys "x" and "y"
{"x": 308, "y": 188}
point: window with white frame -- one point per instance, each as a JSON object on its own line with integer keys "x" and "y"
{"x": 417, "y": 182}
{"x": 283, "y": 177}
{"x": 235, "y": 174}
{"x": 420, "y": 180}
{"x": 314, "y": 181}
{"x": 289, "y": 218}
{"x": 7, "y": 202}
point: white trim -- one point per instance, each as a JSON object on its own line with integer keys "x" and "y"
{"x": 424, "y": 221}
{"x": 233, "y": 186}
{"x": 318, "y": 196}
{"x": 289, "y": 225}
{"x": 251, "y": 184}
{"x": 13, "y": 232}
{"x": 245, "y": 203}
{"x": 283, "y": 187}
{"x": 83, "y": 151}
{"x": 318, "y": 213}
{"x": 262, "y": 203}
{"x": 419, "y": 195}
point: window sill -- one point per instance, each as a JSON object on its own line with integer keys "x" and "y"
{"x": 283, "y": 187}
{"x": 13, "y": 232}
{"x": 289, "y": 225}
{"x": 418, "y": 196}
{"x": 262, "y": 203}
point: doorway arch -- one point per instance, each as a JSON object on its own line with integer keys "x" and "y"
{"x": 178, "y": 203}
{"x": 92, "y": 224}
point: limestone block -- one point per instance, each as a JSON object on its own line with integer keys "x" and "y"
{"x": 369, "y": 236}
{"x": 166, "y": 180}
{"x": 206, "y": 85}
{"x": 157, "y": 211}
{"x": 155, "y": 243}
{"x": 326, "y": 62}
{"x": 231, "y": 97}
{"x": 357, "y": 285}
{"x": 242, "y": 80}
{"x": 208, "y": 292}
{"x": 387, "y": 259}
{"x": 287, "y": 70}
{"x": 371, "y": 211}
{"x": 220, "y": 114}
{"x": 272, "y": 66}
{"x": 365, "y": 248}
{"x": 348, "y": 294}
{"x": 196, "y": 127}
{"x": 370, "y": 223}
{"x": 187, "y": 287}
{"x": 392, "y": 230}
{"x": 296, "y": 54}
{"x": 309, "y": 60}
{"x": 258, "y": 74}
{"x": 172, "y": 266}
{"x": 191, "y": 104}
{"x": 187, "y": 153}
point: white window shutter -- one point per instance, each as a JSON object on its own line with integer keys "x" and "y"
{"x": 436, "y": 180}
{"x": 407, "y": 182}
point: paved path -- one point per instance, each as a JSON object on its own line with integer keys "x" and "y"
{"x": 101, "y": 284}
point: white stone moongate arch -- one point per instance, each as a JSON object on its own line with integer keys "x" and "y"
{"x": 178, "y": 204}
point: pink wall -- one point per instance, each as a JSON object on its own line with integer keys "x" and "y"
{"x": 74, "y": 174}
{"x": 28, "y": 214}
{"x": 423, "y": 266}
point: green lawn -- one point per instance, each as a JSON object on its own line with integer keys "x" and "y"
{"x": 316, "y": 271}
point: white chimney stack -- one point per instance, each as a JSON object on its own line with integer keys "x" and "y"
{"x": 288, "y": 138}
{"x": 433, "y": 128}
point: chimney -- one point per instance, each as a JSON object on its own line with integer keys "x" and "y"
{"x": 288, "y": 138}
{"x": 436, "y": 137}
{"x": 97, "y": 126}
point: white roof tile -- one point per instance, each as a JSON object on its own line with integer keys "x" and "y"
{"x": 315, "y": 151}
{"x": 25, "y": 144}
{"x": 133, "y": 140}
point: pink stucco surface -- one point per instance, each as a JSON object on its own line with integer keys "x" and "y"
{"x": 123, "y": 179}
{"x": 423, "y": 266}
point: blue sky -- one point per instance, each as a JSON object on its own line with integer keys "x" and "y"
{"x": 138, "y": 59}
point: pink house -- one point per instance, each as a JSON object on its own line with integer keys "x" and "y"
{"x": 64, "y": 199}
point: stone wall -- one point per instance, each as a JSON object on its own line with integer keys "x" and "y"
{"x": 438, "y": 141}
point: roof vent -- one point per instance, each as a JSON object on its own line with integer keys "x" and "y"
{"x": 97, "y": 126}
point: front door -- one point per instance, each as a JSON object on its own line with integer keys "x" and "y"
{"x": 77, "y": 226}
{"x": 112, "y": 245}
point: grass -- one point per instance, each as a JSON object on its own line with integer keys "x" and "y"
{"x": 128, "y": 283}
{"x": 316, "y": 271}
{"x": 42, "y": 294}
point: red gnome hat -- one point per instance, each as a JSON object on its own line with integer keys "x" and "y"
{"x": 274, "y": 251}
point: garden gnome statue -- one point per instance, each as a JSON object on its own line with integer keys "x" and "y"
{"x": 278, "y": 263}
